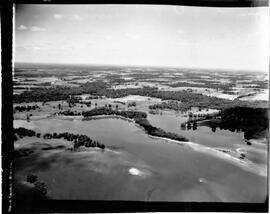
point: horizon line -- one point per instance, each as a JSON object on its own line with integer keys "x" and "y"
{"x": 144, "y": 66}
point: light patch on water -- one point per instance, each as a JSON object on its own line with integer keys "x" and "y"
{"x": 241, "y": 150}
{"x": 134, "y": 171}
{"x": 202, "y": 180}
{"x": 137, "y": 172}
{"x": 113, "y": 151}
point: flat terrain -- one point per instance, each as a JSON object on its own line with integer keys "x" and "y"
{"x": 223, "y": 160}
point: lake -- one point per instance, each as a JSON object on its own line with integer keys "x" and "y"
{"x": 135, "y": 166}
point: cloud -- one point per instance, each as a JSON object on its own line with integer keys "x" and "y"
{"x": 22, "y": 27}
{"x": 30, "y": 48}
{"x": 178, "y": 9}
{"x": 76, "y": 17}
{"x": 108, "y": 37}
{"x": 249, "y": 13}
{"x": 180, "y": 31}
{"x": 33, "y": 28}
{"x": 36, "y": 48}
{"x": 58, "y": 16}
{"x": 37, "y": 29}
{"x": 20, "y": 48}
{"x": 132, "y": 36}
{"x": 69, "y": 17}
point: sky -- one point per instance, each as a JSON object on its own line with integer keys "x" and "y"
{"x": 145, "y": 35}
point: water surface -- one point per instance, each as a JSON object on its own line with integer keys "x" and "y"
{"x": 167, "y": 171}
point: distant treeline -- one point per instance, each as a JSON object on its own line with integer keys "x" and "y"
{"x": 26, "y": 108}
{"x": 171, "y": 105}
{"x": 227, "y": 86}
{"x": 99, "y": 88}
{"x": 69, "y": 113}
{"x": 109, "y": 111}
{"x": 139, "y": 118}
{"x": 204, "y": 84}
{"x": 54, "y": 93}
{"x": 78, "y": 139}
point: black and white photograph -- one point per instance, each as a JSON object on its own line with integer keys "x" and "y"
{"x": 140, "y": 103}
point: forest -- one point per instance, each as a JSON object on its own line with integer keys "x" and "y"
{"x": 253, "y": 122}
{"x": 250, "y": 121}
{"x": 109, "y": 111}
{"x": 100, "y": 88}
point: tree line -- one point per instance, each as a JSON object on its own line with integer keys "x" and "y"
{"x": 109, "y": 111}
{"x": 78, "y": 139}
{"x": 158, "y": 132}
{"x": 26, "y": 108}
{"x": 252, "y": 121}
{"x": 69, "y": 113}
{"x": 23, "y": 132}
{"x": 249, "y": 120}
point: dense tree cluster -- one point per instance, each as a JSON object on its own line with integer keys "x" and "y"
{"x": 23, "y": 132}
{"x": 26, "y": 108}
{"x": 246, "y": 116}
{"x": 189, "y": 124}
{"x": 78, "y": 139}
{"x": 87, "y": 103}
{"x": 55, "y": 93}
{"x": 132, "y": 104}
{"x": 72, "y": 100}
{"x": 38, "y": 185}
{"x": 69, "y": 113}
{"x": 91, "y": 97}
{"x": 109, "y": 111}
{"x": 252, "y": 121}
{"x": 171, "y": 105}
{"x": 96, "y": 89}
{"x": 249, "y": 120}
{"x": 43, "y": 94}
{"x": 158, "y": 132}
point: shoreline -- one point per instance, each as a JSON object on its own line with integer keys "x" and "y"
{"x": 98, "y": 117}
{"x": 228, "y": 155}
{"x": 217, "y": 152}
{"x": 222, "y": 153}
